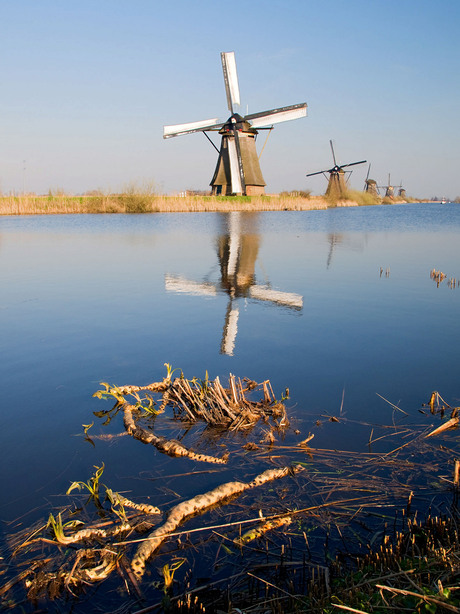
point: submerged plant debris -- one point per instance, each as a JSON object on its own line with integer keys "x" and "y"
{"x": 295, "y": 528}
{"x": 232, "y": 408}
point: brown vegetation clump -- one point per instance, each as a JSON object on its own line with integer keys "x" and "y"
{"x": 231, "y": 408}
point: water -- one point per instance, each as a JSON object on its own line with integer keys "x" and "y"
{"x": 337, "y": 305}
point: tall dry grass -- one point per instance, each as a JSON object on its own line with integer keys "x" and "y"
{"x": 132, "y": 201}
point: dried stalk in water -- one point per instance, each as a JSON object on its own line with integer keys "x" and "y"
{"x": 450, "y": 424}
{"x": 256, "y": 532}
{"x": 118, "y": 499}
{"x": 90, "y": 534}
{"x": 167, "y": 446}
{"x": 194, "y": 506}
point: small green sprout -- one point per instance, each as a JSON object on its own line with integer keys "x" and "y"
{"x": 92, "y": 485}
{"x": 169, "y": 571}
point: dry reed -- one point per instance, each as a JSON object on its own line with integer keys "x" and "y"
{"x": 30, "y": 204}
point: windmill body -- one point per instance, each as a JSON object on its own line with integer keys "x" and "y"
{"x": 370, "y": 185}
{"x": 389, "y": 189}
{"x": 401, "y": 190}
{"x": 238, "y": 169}
{"x": 222, "y": 180}
{"x": 336, "y": 187}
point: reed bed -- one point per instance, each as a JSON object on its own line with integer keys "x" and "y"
{"x": 30, "y": 204}
{"x": 305, "y": 530}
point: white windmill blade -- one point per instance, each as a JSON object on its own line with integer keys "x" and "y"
{"x": 265, "y": 293}
{"x": 231, "y": 78}
{"x": 179, "y": 129}
{"x": 275, "y": 116}
{"x": 237, "y": 188}
{"x": 176, "y": 283}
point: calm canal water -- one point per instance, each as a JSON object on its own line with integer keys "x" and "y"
{"x": 337, "y": 305}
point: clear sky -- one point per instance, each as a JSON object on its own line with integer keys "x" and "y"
{"x": 87, "y": 86}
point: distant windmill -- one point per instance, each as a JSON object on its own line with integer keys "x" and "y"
{"x": 238, "y": 170}
{"x": 389, "y": 189}
{"x": 401, "y": 190}
{"x": 370, "y": 185}
{"x": 336, "y": 186}
{"x": 237, "y": 252}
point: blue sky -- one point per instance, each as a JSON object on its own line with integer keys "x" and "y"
{"x": 88, "y": 85}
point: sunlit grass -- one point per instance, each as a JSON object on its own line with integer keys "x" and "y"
{"x": 135, "y": 201}
{"x": 145, "y": 199}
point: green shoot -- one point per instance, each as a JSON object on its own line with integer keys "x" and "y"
{"x": 92, "y": 485}
{"x": 87, "y": 427}
{"x": 170, "y": 371}
{"x": 169, "y": 571}
{"x": 147, "y": 403}
{"x": 110, "y": 391}
{"x": 57, "y": 526}
{"x": 116, "y": 505}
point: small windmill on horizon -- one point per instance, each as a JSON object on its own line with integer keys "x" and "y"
{"x": 238, "y": 169}
{"x": 389, "y": 189}
{"x": 370, "y": 185}
{"x": 336, "y": 186}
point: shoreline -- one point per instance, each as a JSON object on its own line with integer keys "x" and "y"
{"x": 151, "y": 203}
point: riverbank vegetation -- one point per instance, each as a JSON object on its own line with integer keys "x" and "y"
{"x": 283, "y": 527}
{"x": 142, "y": 200}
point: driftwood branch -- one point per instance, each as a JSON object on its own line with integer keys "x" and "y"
{"x": 171, "y": 447}
{"x": 193, "y": 506}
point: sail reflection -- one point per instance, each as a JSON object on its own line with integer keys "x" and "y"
{"x": 237, "y": 250}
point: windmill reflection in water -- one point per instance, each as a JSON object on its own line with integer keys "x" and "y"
{"x": 237, "y": 251}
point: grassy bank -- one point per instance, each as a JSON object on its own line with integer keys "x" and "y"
{"x": 139, "y": 202}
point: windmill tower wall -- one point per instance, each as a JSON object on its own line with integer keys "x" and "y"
{"x": 390, "y": 192}
{"x": 371, "y": 187}
{"x": 221, "y": 182}
{"x": 336, "y": 186}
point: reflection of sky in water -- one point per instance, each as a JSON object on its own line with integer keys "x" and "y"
{"x": 84, "y": 300}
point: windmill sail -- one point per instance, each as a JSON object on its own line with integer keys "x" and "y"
{"x": 237, "y": 186}
{"x": 231, "y": 79}
{"x": 179, "y": 129}
{"x": 276, "y": 116}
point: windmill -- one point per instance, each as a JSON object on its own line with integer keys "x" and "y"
{"x": 237, "y": 251}
{"x": 336, "y": 186}
{"x": 238, "y": 169}
{"x": 401, "y": 190}
{"x": 370, "y": 185}
{"x": 389, "y": 189}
